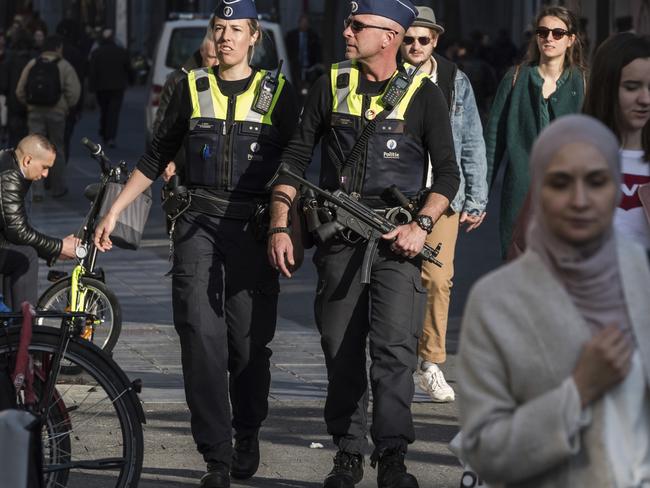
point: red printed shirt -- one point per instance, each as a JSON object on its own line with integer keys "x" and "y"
{"x": 630, "y": 219}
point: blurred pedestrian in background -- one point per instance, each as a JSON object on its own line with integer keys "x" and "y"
{"x": 619, "y": 95}
{"x": 305, "y": 54}
{"x": 549, "y": 83}
{"x": 109, "y": 75}
{"x": 87, "y": 40}
{"x": 33, "y": 22}
{"x": 69, "y": 31}
{"x": 554, "y": 359}
{"x": 49, "y": 87}
{"x": 467, "y": 208}
{"x": 17, "y": 24}
{"x": 17, "y": 58}
{"x": 480, "y": 74}
{"x": 3, "y": 45}
{"x": 39, "y": 39}
{"x": 504, "y": 53}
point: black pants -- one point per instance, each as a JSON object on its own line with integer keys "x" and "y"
{"x": 389, "y": 312}
{"x": 19, "y": 269}
{"x": 70, "y": 122}
{"x": 110, "y": 104}
{"x": 225, "y": 298}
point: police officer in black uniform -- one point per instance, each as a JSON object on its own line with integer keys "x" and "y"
{"x": 389, "y": 310}
{"x": 237, "y": 120}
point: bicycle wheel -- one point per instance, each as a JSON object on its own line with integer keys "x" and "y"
{"x": 92, "y": 435}
{"x": 55, "y": 435}
{"x": 100, "y": 301}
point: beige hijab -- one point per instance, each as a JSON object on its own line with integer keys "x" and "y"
{"x": 590, "y": 273}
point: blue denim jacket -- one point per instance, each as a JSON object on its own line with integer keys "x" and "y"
{"x": 467, "y": 131}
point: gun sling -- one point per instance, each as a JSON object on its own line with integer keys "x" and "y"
{"x": 354, "y": 159}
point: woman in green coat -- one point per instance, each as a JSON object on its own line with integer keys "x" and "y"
{"x": 548, "y": 84}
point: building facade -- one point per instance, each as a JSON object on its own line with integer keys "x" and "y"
{"x": 137, "y": 22}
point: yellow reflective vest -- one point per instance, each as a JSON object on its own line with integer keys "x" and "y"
{"x": 391, "y": 156}
{"x": 230, "y": 146}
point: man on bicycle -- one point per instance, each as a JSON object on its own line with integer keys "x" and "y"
{"x": 20, "y": 243}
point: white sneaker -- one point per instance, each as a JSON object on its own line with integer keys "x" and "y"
{"x": 432, "y": 381}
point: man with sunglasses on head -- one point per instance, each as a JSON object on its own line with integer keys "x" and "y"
{"x": 467, "y": 208}
{"x": 389, "y": 311}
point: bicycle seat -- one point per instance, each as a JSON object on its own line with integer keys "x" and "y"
{"x": 91, "y": 191}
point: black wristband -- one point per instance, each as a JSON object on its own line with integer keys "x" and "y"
{"x": 278, "y": 230}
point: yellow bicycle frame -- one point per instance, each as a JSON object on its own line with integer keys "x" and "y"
{"x": 77, "y": 293}
{"x": 78, "y": 300}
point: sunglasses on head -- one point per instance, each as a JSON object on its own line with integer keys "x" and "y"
{"x": 542, "y": 33}
{"x": 357, "y": 26}
{"x": 423, "y": 40}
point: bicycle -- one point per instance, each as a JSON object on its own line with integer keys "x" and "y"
{"x": 85, "y": 290}
{"x": 91, "y": 422}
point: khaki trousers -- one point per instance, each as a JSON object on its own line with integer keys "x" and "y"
{"x": 438, "y": 283}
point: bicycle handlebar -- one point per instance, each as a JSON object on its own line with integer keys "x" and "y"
{"x": 94, "y": 148}
{"x": 97, "y": 152}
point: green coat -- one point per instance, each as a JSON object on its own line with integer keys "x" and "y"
{"x": 517, "y": 116}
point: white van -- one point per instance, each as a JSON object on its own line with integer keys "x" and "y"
{"x": 180, "y": 38}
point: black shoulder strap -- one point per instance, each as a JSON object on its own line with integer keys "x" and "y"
{"x": 363, "y": 139}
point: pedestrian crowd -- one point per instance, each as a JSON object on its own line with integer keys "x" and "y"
{"x": 43, "y": 82}
{"x": 554, "y": 360}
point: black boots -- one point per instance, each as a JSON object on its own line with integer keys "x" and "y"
{"x": 245, "y": 457}
{"x": 216, "y": 477}
{"x": 392, "y": 471}
{"x": 245, "y": 461}
{"x": 347, "y": 471}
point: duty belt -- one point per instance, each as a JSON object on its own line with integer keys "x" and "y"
{"x": 210, "y": 205}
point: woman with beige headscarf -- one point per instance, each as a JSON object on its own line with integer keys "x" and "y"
{"x": 554, "y": 361}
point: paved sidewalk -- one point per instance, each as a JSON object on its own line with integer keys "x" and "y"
{"x": 295, "y": 421}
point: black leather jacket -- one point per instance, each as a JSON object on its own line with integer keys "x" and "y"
{"x": 14, "y": 226}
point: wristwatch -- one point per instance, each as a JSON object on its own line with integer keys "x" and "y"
{"x": 425, "y": 222}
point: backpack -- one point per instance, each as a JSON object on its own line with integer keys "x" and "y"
{"x": 43, "y": 83}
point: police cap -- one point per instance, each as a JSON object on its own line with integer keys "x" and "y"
{"x": 401, "y": 11}
{"x": 235, "y": 9}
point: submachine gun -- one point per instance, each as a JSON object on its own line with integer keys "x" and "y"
{"x": 348, "y": 213}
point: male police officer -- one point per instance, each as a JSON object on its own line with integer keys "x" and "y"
{"x": 389, "y": 310}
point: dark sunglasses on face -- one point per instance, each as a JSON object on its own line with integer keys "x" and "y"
{"x": 357, "y": 26}
{"x": 423, "y": 41}
{"x": 542, "y": 33}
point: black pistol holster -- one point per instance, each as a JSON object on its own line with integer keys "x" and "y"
{"x": 175, "y": 198}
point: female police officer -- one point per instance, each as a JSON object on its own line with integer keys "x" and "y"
{"x": 224, "y": 291}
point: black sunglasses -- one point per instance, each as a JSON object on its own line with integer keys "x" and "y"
{"x": 542, "y": 33}
{"x": 357, "y": 26}
{"x": 423, "y": 40}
